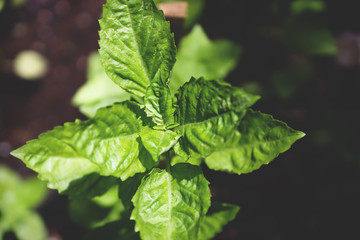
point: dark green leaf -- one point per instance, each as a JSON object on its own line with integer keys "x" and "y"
{"x": 123, "y": 230}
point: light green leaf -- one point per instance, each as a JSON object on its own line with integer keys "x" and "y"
{"x": 158, "y": 142}
{"x": 30, "y": 227}
{"x": 169, "y": 205}
{"x": 109, "y": 144}
{"x": 218, "y": 216}
{"x": 136, "y": 45}
{"x": 17, "y": 198}
{"x": 18, "y": 194}
{"x": 198, "y": 56}
{"x": 208, "y": 113}
{"x": 259, "y": 139}
{"x": 195, "y": 9}
{"x": 159, "y": 104}
{"x": 99, "y": 91}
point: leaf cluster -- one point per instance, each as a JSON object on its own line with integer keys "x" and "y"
{"x": 118, "y": 152}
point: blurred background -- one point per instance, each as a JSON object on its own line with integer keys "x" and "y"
{"x": 301, "y": 56}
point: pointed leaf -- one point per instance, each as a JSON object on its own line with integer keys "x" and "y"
{"x": 218, "y": 216}
{"x": 136, "y": 45}
{"x": 159, "y": 104}
{"x": 109, "y": 144}
{"x": 169, "y": 205}
{"x": 259, "y": 139}
{"x": 208, "y": 113}
{"x": 198, "y": 56}
{"x": 98, "y": 91}
{"x": 158, "y": 142}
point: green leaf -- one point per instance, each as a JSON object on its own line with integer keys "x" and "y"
{"x": 123, "y": 230}
{"x": 158, "y": 142}
{"x": 17, "y": 198}
{"x": 136, "y": 45}
{"x": 99, "y": 91}
{"x": 208, "y": 113}
{"x": 218, "y": 216}
{"x": 259, "y": 139}
{"x": 195, "y": 9}
{"x": 30, "y": 227}
{"x": 308, "y": 34}
{"x": 170, "y": 204}
{"x": 109, "y": 144}
{"x": 18, "y": 194}
{"x": 98, "y": 211}
{"x": 159, "y": 104}
{"x": 198, "y": 56}
{"x": 2, "y": 4}
{"x": 300, "y": 6}
{"x": 128, "y": 188}
{"x": 90, "y": 186}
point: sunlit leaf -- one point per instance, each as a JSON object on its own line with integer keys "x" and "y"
{"x": 170, "y": 204}
{"x": 259, "y": 139}
{"x": 109, "y": 144}
{"x": 208, "y": 113}
{"x": 136, "y": 45}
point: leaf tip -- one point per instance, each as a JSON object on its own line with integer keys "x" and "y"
{"x": 300, "y": 134}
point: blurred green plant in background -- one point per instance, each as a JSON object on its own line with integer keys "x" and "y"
{"x": 18, "y": 198}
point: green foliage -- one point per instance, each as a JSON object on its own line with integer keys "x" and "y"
{"x": 208, "y": 113}
{"x": 300, "y": 6}
{"x": 99, "y": 91}
{"x": 2, "y": 4}
{"x": 136, "y": 31}
{"x": 259, "y": 139}
{"x": 17, "y": 200}
{"x": 111, "y": 164}
{"x": 198, "y": 56}
{"x": 219, "y": 215}
{"x": 170, "y": 203}
{"x": 307, "y": 34}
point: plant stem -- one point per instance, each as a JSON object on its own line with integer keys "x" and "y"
{"x": 167, "y": 161}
